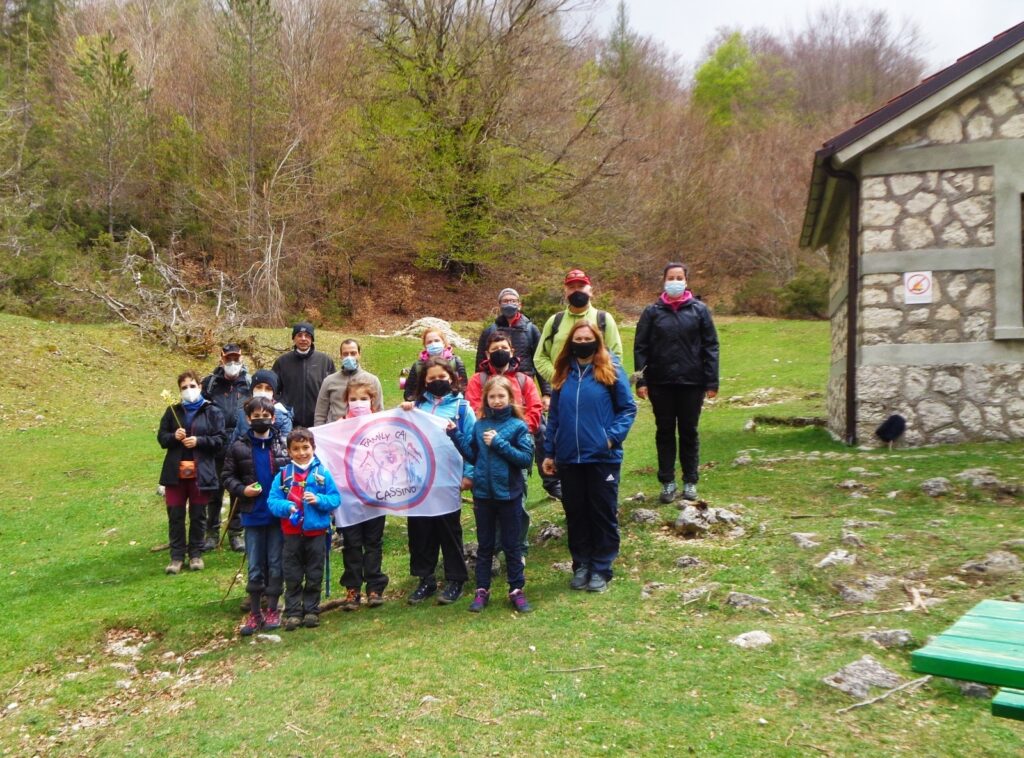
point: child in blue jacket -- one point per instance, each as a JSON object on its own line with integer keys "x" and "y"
{"x": 303, "y": 496}
{"x": 500, "y": 446}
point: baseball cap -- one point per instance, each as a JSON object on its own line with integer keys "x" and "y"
{"x": 577, "y": 275}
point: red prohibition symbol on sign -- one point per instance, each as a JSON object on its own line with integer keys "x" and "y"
{"x": 919, "y": 284}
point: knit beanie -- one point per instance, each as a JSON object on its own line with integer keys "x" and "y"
{"x": 508, "y": 291}
{"x": 265, "y": 376}
{"x": 303, "y": 326}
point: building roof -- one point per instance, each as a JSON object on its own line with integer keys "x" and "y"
{"x": 877, "y": 120}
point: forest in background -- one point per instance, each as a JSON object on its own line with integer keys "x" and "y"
{"x": 195, "y": 165}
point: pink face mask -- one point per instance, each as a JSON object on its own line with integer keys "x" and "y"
{"x": 358, "y": 408}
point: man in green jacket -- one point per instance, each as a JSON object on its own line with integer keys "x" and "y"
{"x": 578, "y": 293}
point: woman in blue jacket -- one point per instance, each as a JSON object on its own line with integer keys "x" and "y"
{"x": 591, "y": 412}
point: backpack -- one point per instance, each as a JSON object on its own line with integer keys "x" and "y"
{"x": 602, "y": 320}
{"x": 520, "y": 377}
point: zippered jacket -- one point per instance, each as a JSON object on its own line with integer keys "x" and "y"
{"x": 498, "y": 467}
{"x": 586, "y": 415}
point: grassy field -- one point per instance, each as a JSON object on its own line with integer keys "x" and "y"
{"x": 103, "y": 654}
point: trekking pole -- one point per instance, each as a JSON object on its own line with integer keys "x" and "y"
{"x": 227, "y": 526}
{"x": 327, "y": 561}
{"x": 234, "y": 579}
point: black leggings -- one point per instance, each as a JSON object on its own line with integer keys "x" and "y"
{"x": 677, "y": 407}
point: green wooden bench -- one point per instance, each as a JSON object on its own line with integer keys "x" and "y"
{"x": 985, "y": 645}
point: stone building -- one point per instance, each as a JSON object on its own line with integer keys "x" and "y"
{"x": 919, "y": 205}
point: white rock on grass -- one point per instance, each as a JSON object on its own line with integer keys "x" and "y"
{"x": 743, "y": 600}
{"x": 859, "y": 677}
{"x": 851, "y": 539}
{"x": 995, "y": 564}
{"x": 888, "y": 638}
{"x": 837, "y": 558}
{"x": 750, "y": 640}
{"x": 805, "y": 540}
{"x": 644, "y": 516}
{"x": 935, "y": 487}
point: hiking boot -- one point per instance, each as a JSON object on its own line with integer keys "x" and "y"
{"x": 554, "y": 489}
{"x": 212, "y": 538}
{"x": 237, "y": 543}
{"x": 689, "y": 491}
{"x": 292, "y": 623}
{"x": 311, "y": 620}
{"x": 252, "y": 624}
{"x": 246, "y": 605}
{"x": 174, "y": 567}
{"x": 479, "y": 600}
{"x": 597, "y": 583}
{"x": 196, "y": 564}
{"x": 668, "y": 492}
{"x": 352, "y": 600}
{"x": 580, "y": 578}
{"x": 518, "y": 600}
{"x": 452, "y": 591}
{"x": 272, "y": 619}
{"x": 374, "y": 599}
{"x": 426, "y": 588}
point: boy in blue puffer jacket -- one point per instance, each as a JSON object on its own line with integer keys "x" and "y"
{"x": 500, "y": 446}
{"x": 303, "y": 496}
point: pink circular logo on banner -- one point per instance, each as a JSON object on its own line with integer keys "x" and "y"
{"x": 393, "y": 465}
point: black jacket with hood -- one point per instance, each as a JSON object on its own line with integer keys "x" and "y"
{"x": 677, "y": 347}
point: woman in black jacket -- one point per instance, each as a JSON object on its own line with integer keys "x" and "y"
{"x": 192, "y": 433}
{"x": 676, "y": 355}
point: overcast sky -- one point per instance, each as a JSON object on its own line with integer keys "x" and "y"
{"x": 949, "y": 28}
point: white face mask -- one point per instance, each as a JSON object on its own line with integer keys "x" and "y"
{"x": 190, "y": 394}
{"x": 301, "y": 466}
{"x": 233, "y": 369}
{"x": 263, "y": 393}
{"x": 675, "y": 287}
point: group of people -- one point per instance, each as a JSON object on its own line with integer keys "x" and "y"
{"x": 559, "y": 397}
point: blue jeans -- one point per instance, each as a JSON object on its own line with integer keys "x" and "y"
{"x": 263, "y": 550}
{"x": 489, "y": 514}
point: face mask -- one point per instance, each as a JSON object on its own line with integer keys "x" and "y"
{"x": 348, "y": 363}
{"x": 303, "y": 352}
{"x": 439, "y": 387}
{"x": 435, "y": 348}
{"x": 303, "y": 466}
{"x": 263, "y": 393}
{"x": 578, "y": 299}
{"x": 583, "y": 349}
{"x": 358, "y": 408}
{"x": 509, "y": 311}
{"x": 190, "y": 395}
{"x": 500, "y": 358}
{"x": 261, "y": 425}
{"x": 675, "y": 288}
{"x": 232, "y": 369}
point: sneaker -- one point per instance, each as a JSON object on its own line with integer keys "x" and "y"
{"x": 374, "y": 599}
{"x": 196, "y": 564}
{"x": 452, "y": 591}
{"x": 668, "y": 492}
{"x": 689, "y": 491}
{"x": 237, "y": 543}
{"x": 311, "y": 620}
{"x": 272, "y": 619}
{"x": 597, "y": 583}
{"x": 580, "y": 578}
{"x": 292, "y": 623}
{"x": 426, "y": 588}
{"x": 479, "y": 600}
{"x": 554, "y": 489}
{"x": 252, "y": 624}
{"x": 352, "y": 600}
{"x": 174, "y": 567}
{"x": 518, "y": 600}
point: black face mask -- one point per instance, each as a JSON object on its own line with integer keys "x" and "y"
{"x": 509, "y": 311}
{"x": 261, "y": 425}
{"x": 583, "y": 349}
{"x": 439, "y": 387}
{"x": 500, "y": 358}
{"x": 578, "y": 299}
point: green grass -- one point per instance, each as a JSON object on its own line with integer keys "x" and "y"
{"x": 79, "y": 515}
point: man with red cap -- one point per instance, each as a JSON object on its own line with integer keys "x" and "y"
{"x": 578, "y": 293}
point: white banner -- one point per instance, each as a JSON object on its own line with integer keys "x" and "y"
{"x": 395, "y": 462}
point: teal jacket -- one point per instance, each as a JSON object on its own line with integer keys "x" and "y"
{"x": 498, "y": 472}
{"x": 317, "y": 515}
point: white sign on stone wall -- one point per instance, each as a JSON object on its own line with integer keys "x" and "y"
{"x": 917, "y": 287}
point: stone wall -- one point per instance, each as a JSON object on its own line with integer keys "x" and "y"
{"x": 993, "y": 111}
{"x": 835, "y": 404}
{"x": 955, "y": 403}
{"x": 961, "y": 309}
{"x": 928, "y": 209}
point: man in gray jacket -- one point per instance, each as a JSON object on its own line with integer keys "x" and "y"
{"x": 330, "y": 403}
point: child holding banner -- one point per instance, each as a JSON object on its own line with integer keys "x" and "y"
{"x": 437, "y": 393}
{"x": 500, "y": 446}
{"x": 303, "y": 496}
{"x": 363, "y": 543}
